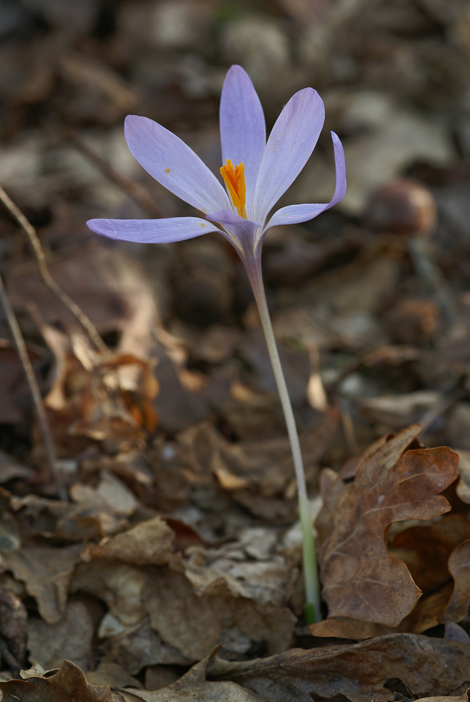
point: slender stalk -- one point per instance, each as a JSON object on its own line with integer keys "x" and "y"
{"x": 312, "y": 586}
{"x": 34, "y": 389}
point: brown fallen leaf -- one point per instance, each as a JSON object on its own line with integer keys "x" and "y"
{"x": 46, "y": 573}
{"x": 140, "y": 647}
{"x": 13, "y": 624}
{"x": 426, "y": 549}
{"x": 459, "y": 566}
{"x": 147, "y": 543}
{"x": 461, "y": 698}
{"x": 179, "y": 616}
{"x": 356, "y": 672}
{"x": 13, "y": 388}
{"x": 426, "y": 614}
{"x": 112, "y": 675}
{"x": 49, "y": 644}
{"x": 390, "y": 483}
{"x": 69, "y": 683}
{"x": 193, "y": 687}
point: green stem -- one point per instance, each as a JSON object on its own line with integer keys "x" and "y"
{"x": 312, "y": 587}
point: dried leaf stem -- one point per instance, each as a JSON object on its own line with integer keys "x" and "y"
{"x": 38, "y": 253}
{"x": 33, "y": 386}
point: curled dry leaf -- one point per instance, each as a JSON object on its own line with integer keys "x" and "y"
{"x": 356, "y": 672}
{"x": 179, "y": 616}
{"x": 459, "y": 566}
{"x": 139, "y": 647}
{"x": 194, "y": 686}
{"x": 69, "y": 683}
{"x": 46, "y": 573}
{"x": 426, "y": 549}
{"x": 13, "y": 624}
{"x": 49, "y": 644}
{"x": 389, "y": 483}
{"x": 461, "y": 698}
{"x": 147, "y": 543}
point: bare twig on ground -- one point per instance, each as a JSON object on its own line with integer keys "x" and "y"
{"x": 33, "y": 386}
{"x": 137, "y": 192}
{"x": 38, "y": 252}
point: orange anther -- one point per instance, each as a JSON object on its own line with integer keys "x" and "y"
{"x": 234, "y": 178}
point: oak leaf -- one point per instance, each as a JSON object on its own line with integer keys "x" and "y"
{"x": 392, "y": 481}
{"x": 68, "y": 683}
{"x": 370, "y": 671}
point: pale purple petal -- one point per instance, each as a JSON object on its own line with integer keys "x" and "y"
{"x": 239, "y": 231}
{"x": 173, "y": 164}
{"x": 152, "y": 231}
{"x": 288, "y": 149}
{"x": 229, "y": 217}
{"x": 293, "y": 214}
{"x": 242, "y": 127}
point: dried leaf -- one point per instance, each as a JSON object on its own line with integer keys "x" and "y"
{"x": 459, "y": 566}
{"x": 193, "y": 687}
{"x": 179, "y": 616}
{"x": 13, "y": 387}
{"x": 426, "y": 549}
{"x": 70, "y": 638}
{"x": 69, "y": 683}
{"x": 356, "y": 672}
{"x": 13, "y": 623}
{"x": 120, "y": 585}
{"x": 360, "y": 578}
{"x": 140, "y": 647}
{"x": 148, "y": 543}
{"x": 46, "y": 573}
{"x": 426, "y": 614}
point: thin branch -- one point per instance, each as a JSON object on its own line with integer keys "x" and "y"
{"x": 38, "y": 253}
{"x": 137, "y": 192}
{"x": 33, "y": 386}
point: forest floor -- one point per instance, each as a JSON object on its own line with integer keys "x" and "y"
{"x": 161, "y": 558}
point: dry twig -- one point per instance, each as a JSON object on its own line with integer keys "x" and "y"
{"x": 33, "y": 386}
{"x": 38, "y": 252}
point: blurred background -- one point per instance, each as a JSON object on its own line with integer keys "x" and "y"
{"x": 394, "y": 76}
{"x": 168, "y": 419}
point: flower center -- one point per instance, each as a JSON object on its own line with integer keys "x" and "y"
{"x": 234, "y": 178}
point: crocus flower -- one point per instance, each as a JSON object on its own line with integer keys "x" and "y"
{"x": 256, "y": 173}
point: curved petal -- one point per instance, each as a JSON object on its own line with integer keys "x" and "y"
{"x": 240, "y": 232}
{"x": 288, "y": 149}
{"x": 173, "y": 164}
{"x": 228, "y": 217}
{"x": 294, "y": 214}
{"x": 242, "y": 127}
{"x": 152, "y": 231}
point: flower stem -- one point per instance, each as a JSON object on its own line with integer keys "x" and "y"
{"x": 312, "y": 587}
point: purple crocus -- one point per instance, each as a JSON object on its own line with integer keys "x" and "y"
{"x": 256, "y": 174}
{"x": 267, "y": 169}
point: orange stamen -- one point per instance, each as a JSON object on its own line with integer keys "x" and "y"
{"x": 234, "y": 179}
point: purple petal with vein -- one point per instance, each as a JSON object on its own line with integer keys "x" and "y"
{"x": 288, "y": 149}
{"x": 242, "y": 127}
{"x": 293, "y": 214}
{"x": 239, "y": 231}
{"x": 173, "y": 164}
{"x": 152, "y": 231}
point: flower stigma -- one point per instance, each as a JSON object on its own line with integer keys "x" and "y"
{"x": 234, "y": 179}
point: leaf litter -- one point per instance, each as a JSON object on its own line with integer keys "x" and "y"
{"x": 176, "y": 563}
